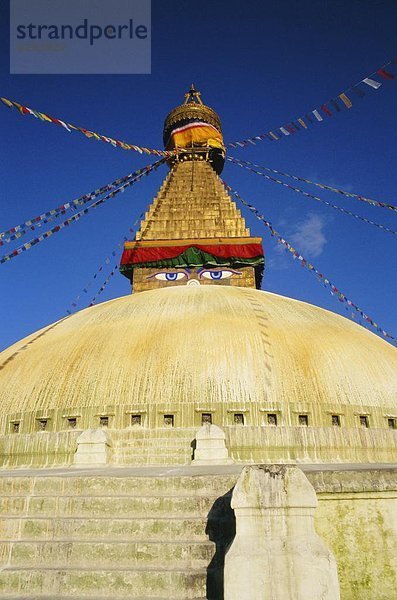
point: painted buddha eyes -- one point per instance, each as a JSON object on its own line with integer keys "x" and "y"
{"x": 214, "y": 274}
{"x": 170, "y": 276}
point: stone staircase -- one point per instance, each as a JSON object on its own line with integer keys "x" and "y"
{"x": 115, "y": 537}
{"x": 168, "y": 446}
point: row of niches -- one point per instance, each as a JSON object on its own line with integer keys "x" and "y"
{"x": 139, "y": 419}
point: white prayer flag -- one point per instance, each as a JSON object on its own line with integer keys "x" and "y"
{"x": 372, "y": 83}
{"x": 64, "y": 125}
{"x": 284, "y": 131}
{"x": 317, "y": 115}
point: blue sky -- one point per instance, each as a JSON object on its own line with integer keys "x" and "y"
{"x": 258, "y": 64}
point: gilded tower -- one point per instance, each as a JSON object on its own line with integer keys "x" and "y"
{"x": 193, "y": 233}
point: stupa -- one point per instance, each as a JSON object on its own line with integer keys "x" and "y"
{"x": 107, "y": 413}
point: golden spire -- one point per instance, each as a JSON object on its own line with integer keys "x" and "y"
{"x": 192, "y": 203}
{"x": 194, "y": 130}
{"x": 193, "y": 233}
{"x": 193, "y": 96}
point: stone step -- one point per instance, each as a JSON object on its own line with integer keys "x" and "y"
{"x": 95, "y": 597}
{"x": 154, "y": 444}
{"x": 136, "y": 529}
{"x": 105, "y": 554}
{"x": 173, "y": 450}
{"x": 58, "y": 597}
{"x": 155, "y": 452}
{"x": 146, "y": 454}
{"x": 128, "y": 506}
{"x": 161, "y": 434}
{"x": 94, "y": 485}
{"x": 172, "y": 453}
{"x": 134, "y": 583}
{"x": 152, "y": 461}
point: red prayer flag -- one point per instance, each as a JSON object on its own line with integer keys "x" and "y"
{"x": 385, "y": 74}
{"x": 325, "y": 109}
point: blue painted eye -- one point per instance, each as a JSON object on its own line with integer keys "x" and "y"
{"x": 173, "y": 276}
{"x": 220, "y": 274}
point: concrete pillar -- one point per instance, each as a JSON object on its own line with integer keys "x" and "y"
{"x": 93, "y": 447}
{"x": 276, "y": 554}
{"x": 210, "y": 446}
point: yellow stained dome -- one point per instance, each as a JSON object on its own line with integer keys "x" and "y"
{"x": 183, "y": 348}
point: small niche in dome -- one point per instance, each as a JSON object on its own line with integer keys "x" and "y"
{"x": 168, "y": 420}
{"x": 272, "y": 419}
{"x": 72, "y": 422}
{"x": 335, "y": 420}
{"x": 136, "y": 420}
{"x": 42, "y": 424}
{"x": 364, "y": 421}
{"x": 238, "y": 419}
{"x": 14, "y": 426}
{"x": 303, "y": 420}
{"x": 391, "y": 422}
{"x": 103, "y": 421}
{"x": 206, "y": 418}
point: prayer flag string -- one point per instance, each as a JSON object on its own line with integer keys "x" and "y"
{"x": 368, "y": 321}
{"x": 19, "y": 230}
{"x": 77, "y": 216}
{"x": 334, "y": 206}
{"x": 107, "y": 261}
{"x": 320, "y": 185}
{"x": 85, "y": 289}
{"x": 327, "y": 109}
{"x": 103, "y": 286}
{"x": 24, "y": 110}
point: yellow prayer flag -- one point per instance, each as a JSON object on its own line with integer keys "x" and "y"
{"x": 44, "y": 117}
{"x": 273, "y": 135}
{"x": 301, "y": 121}
{"x": 346, "y": 101}
{"x": 10, "y": 104}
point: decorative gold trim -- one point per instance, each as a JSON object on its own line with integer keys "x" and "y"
{"x": 199, "y": 242}
{"x": 192, "y": 111}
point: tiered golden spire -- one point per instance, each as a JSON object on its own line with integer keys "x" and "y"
{"x": 193, "y": 232}
{"x": 192, "y": 203}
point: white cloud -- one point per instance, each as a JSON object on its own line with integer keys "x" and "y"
{"x": 309, "y": 236}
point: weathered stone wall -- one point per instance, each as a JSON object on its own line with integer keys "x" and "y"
{"x": 56, "y": 525}
{"x": 140, "y": 445}
{"x": 189, "y": 411}
{"x": 357, "y": 518}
